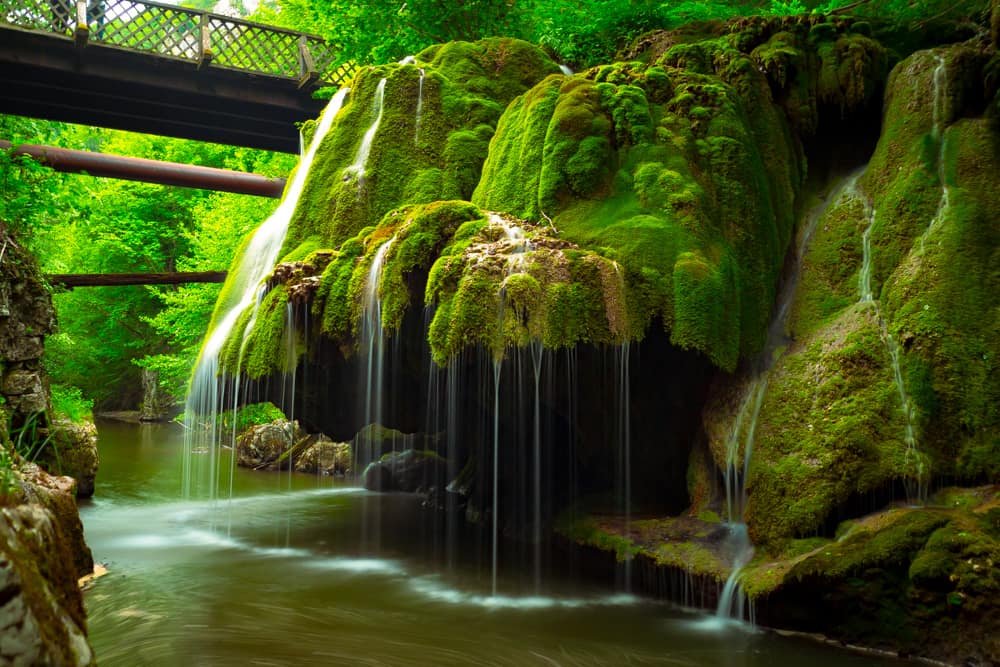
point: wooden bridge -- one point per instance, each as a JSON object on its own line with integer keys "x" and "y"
{"x": 156, "y": 68}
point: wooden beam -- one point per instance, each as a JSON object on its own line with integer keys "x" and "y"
{"x": 72, "y": 280}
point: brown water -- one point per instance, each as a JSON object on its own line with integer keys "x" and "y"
{"x": 303, "y": 570}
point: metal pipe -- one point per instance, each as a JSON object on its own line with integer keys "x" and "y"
{"x": 149, "y": 171}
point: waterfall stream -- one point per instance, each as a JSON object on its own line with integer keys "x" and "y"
{"x": 732, "y": 600}
{"x": 244, "y": 285}
{"x": 915, "y": 489}
{"x": 357, "y": 168}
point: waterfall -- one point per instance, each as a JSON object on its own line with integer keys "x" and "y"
{"x": 373, "y": 338}
{"x": 866, "y": 296}
{"x": 940, "y": 90}
{"x": 496, "y": 465}
{"x": 204, "y": 395}
{"x": 420, "y": 108}
{"x": 732, "y": 600}
{"x": 537, "y": 357}
{"x": 624, "y": 437}
{"x": 565, "y": 70}
{"x": 357, "y": 168}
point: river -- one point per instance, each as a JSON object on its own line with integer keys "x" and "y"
{"x": 304, "y": 570}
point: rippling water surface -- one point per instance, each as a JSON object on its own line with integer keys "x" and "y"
{"x": 303, "y": 570}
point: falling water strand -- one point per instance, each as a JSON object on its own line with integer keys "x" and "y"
{"x": 420, "y": 108}
{"x": 357, "y": 168}
{"x": 732, "y": 601}
{"x": 291, "y": 367}
{"x": 940, "y": 89}
{"x": 625, "y": 445}
{"x": 373, "y": 338}
{"x": 496, "y": 465}
{"x": 565, "y": 70}
{"x": 867, "y": 297}
{"x": 258, "y": 260}
{"x": 537, "y": 352}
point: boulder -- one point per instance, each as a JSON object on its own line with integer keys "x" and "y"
{"x": 412, "y": 471}
{"x": 56, "y": 495}
{"x": 263, "y": 444}
{"x": 72, "y": 451}
{"x": 324, "y": 456}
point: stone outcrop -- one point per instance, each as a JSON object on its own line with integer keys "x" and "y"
{"x": 42, "y": 620}
{"x": 155, "y": 405}
{"x": 26, "y": 317}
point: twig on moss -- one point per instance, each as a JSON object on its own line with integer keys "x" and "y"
{"x": 551, "y": 224}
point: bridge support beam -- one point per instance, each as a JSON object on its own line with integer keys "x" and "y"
{"x": 149, "y": 171}
{"x": 71, "y": 280}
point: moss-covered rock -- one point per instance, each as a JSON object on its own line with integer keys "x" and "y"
{"x": 860, "y": 376}
{"x": 685, "y": 172}
{"x": 922, "y": 581}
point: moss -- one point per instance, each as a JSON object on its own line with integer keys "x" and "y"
{"x": 493, "y": 290}
{"x": 829, "y": 428}
{"x": 262, "y": 350}
{"x": 687, "y": 208}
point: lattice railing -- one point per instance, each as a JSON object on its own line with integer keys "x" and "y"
{"x": 185, "y": 34}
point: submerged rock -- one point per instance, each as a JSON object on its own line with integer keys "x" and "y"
{"x": 412, "y": 471}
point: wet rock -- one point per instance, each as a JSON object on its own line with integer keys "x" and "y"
{"x": 73, "y": 451}
{"x": 57, "y": 496}
{"x": 323, "y": 456}
{"x": 42, "y": 619}
{"x": 375, "y": 440}
{"x": 22, "y": 381}
{"x": 263, "y": 444}
{"x": 412, "y": 471}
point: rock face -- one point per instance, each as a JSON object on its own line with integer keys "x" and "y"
{"x": 26, "y": 317}
{"x": 412, "y": 471}
{"x": 42, "y": 619}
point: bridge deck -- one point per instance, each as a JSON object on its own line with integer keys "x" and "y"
{"x": 160, "y": 69}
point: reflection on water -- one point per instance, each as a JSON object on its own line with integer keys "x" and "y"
{"x": 329, "y": 574}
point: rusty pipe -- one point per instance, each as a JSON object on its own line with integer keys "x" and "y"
{"x": 149, "y": 171}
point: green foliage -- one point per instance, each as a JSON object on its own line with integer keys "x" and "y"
{"x": 80, "y": 224}
{"x": 69, "y": 403}
{"x": 250, "y": 415}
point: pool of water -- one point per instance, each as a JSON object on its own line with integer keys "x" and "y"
{"x": 304, "y": 570}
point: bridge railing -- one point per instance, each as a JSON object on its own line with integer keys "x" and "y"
{"x": 186, "y": 34}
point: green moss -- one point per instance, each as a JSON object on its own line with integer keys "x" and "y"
{"x": 264, "y": 349}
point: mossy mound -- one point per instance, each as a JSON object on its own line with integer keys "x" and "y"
{"x": 684, "y": 171}
{"x": 833, "y": 425}
{"x": 923, "y": 581}
{"x": 437, "y": 117}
